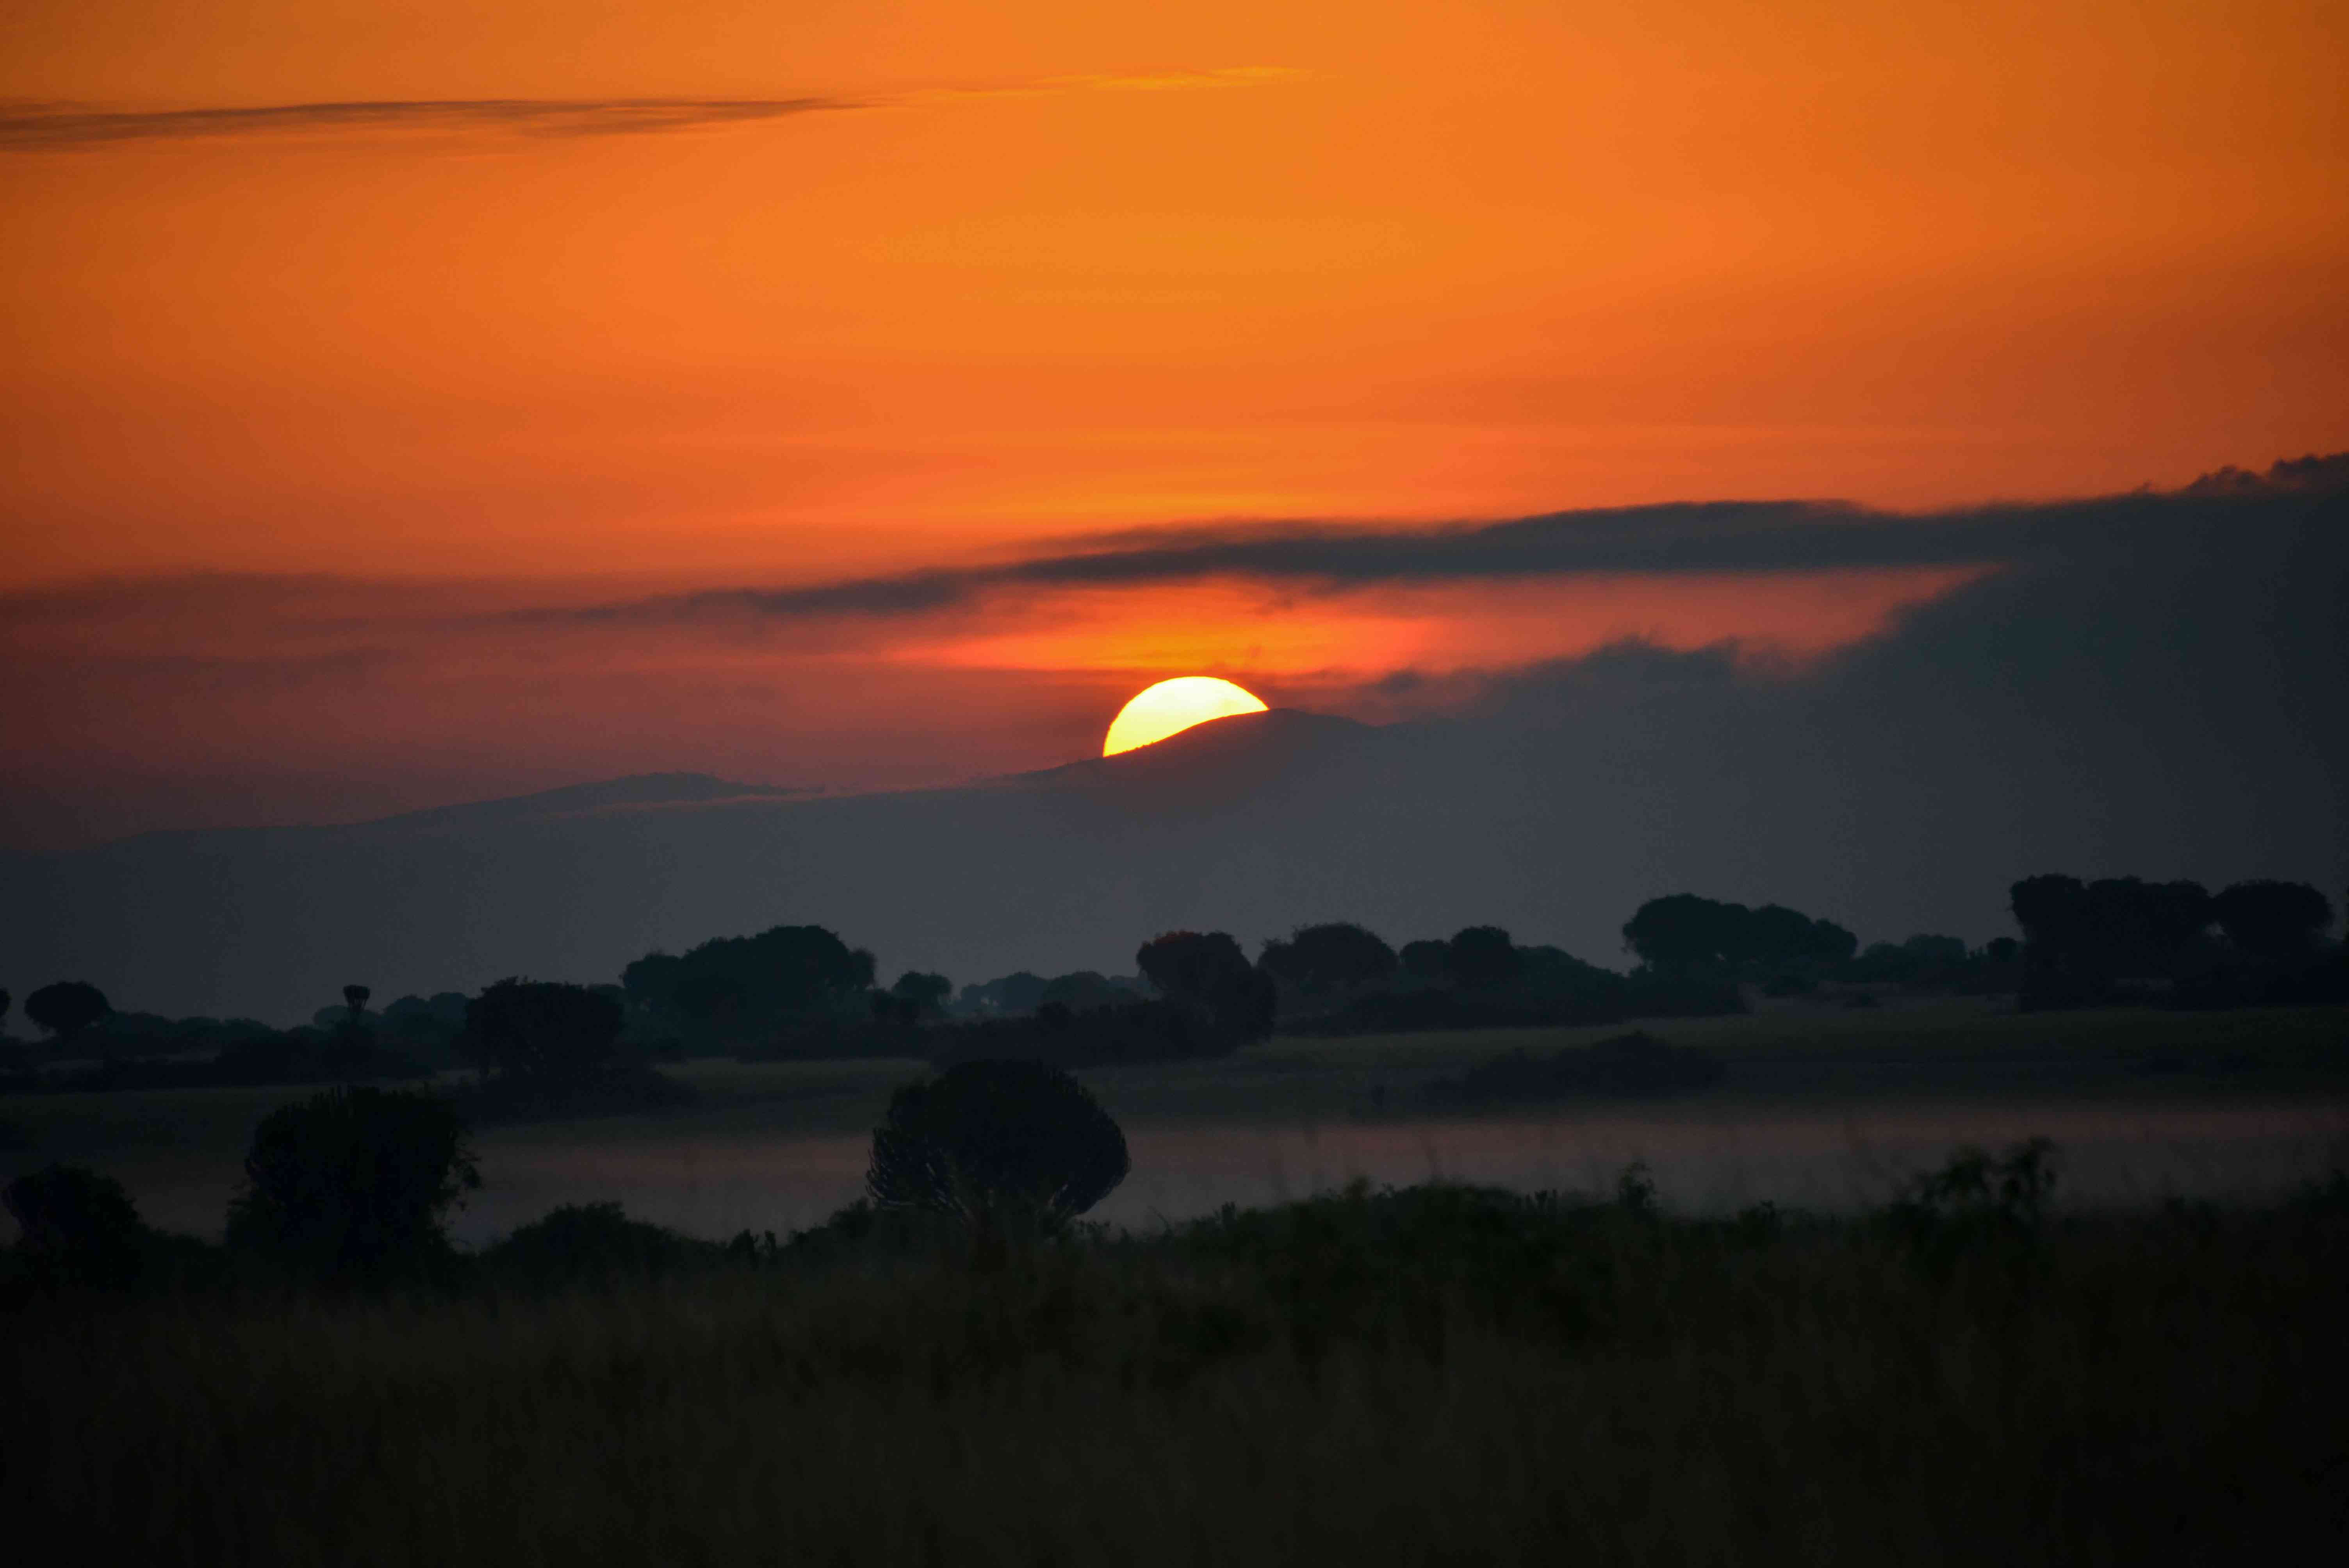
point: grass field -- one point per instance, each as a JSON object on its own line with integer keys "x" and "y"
{"x": 1432, "y": 1378}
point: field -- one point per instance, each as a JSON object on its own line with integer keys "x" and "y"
{"x": 1436, "y": 1375}
{"x": 1816, "y": 1103}
{"x": 1429, "y": 1377}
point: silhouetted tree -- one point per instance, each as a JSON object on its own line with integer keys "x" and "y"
{"x": 1776, "y": 937}
{"x": 2272, "y": 918}
{"x": 740, "y": 984}
{"x": 1484, "y": 955}
{"x": 2119, "y": 927}
{"x": 67, "y": 1008}
{"x": 78, "y": 1226}
{"x": 921, "y": 994}
{"x": 1085, "y": 991}
{"x": 1209, "y": 971}
{"x": 542, "y": 1030}
{"x": 1427, "y": 959}
{"x": 1004, "y": 1145}
{"x": 355, "y": 1184}
{"x": 5, "y": 1000}
{"x": 2050, "y": 909}
{"x": 651, "y": 981}
{"x": 1015, "y": 993}
{"x": 1683, "y": 931}
{"x": 1335, "y": 957}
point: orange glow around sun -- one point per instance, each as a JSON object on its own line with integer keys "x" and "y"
{"x": 1173, "y": 706}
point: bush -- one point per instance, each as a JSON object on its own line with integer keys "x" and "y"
{"x": 354, "y": 1186}
{"x": 79, "y": 1226}
{"x": 591, "y": 1243}
{"x": 1005, "y": 1146}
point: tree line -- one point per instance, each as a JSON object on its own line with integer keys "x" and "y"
{"x": 803, "y": 991}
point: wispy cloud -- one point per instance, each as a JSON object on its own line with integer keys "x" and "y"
{"x": 75, "y": 127}
{"x": 1724, "y": 537}
{"x": 58, "y": 127}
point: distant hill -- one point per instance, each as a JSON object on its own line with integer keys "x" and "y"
{"x": 1230, "y": 824}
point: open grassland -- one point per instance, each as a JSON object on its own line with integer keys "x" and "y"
{"x": 1436, "y": 1377}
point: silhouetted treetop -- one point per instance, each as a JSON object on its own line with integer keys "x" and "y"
{"x": 354, "y": 1184}
{"x": 1426, "y": 959}
{"x": 1484, "y": 955}
{"x": 2114, "y": 927}
{"x": 922, "y": 994}
{"x": 1086, "y": 990}
{"x": 67, "y": 1008}
{"x": 2272, "y": 918}
{"x": 1208, "y": 971}
{"x": 750, "y": 982}
{"x": 1321, "y": 958}
{"x": 997, "y": 1141}
{"x": 77, "y": 1225}
{"x": 1683, "y": 930}
{"x": 1775, "y": 936}
{"x": 542, "y": 1030}
{"x": 1015, "y": 993}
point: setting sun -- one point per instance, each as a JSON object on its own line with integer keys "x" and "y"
{"x": 1172, "y": 707}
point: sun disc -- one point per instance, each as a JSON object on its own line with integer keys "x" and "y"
{"x": 1172, "y": 707}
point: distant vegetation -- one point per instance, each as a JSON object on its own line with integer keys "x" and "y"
{"x": 801, "y": 991}
{"x": 960, "y": 1367}
{"x": 2254, "y": 942}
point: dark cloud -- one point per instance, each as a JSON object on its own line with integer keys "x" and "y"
{"x": 1757, "y": 537}
{"x": 33, "y": 126}
{"x": 2311, "y": 475}
{"x": 51, "y": 127}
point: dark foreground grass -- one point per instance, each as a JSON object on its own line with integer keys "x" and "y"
{"x": 1434, "y": 1376}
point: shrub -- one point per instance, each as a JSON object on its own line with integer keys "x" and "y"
{"x": 355, "y": 1184}
{"x": 590, "y": 1243}
{"x": 1003, "y": 1145}
{"x": 1976, "y": 1199}
{"x": 79, "y": 1226}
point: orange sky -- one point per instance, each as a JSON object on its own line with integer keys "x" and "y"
{"x": 1031, "y": 269}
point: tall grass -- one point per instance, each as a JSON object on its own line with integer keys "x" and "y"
{"x": 1435, "y": 1376}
